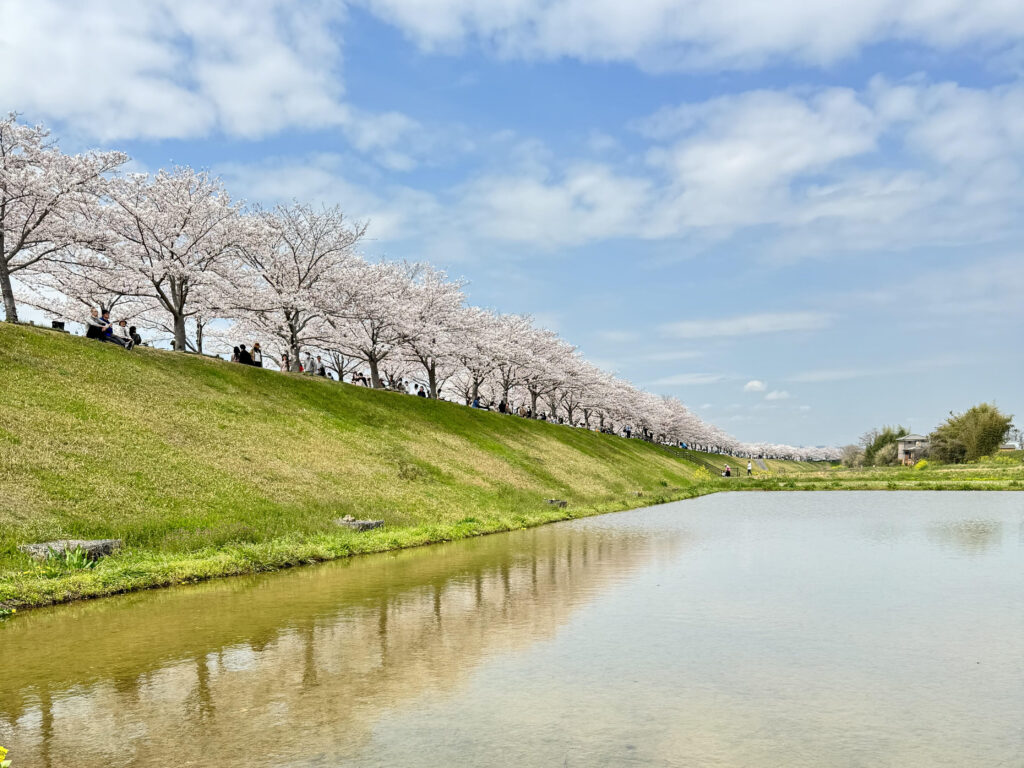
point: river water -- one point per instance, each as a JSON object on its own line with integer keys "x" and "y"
{"x": 743, "y": 629}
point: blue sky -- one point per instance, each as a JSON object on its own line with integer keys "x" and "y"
{"x": 803, "y": 220}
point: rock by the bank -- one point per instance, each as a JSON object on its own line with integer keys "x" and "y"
{"x": 93, "y": 548}
{"x": 358, "y": 525}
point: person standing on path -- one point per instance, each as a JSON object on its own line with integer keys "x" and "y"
{"x": 750, "y": 468}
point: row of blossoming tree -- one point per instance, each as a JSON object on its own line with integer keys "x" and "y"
{"x": 172, "y": 252}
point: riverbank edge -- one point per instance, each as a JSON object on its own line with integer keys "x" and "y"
{"x": 138, "y": 570}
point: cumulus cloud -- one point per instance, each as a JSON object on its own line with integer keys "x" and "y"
{"x": 754, "y": 386}
{"x": 777, "y": 394}
{"x": 189, "y": 69}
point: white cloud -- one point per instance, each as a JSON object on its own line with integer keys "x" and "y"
{"x": 754, "y": 386}
{"x": 117, "y": 70}
{"x": 189, "y": 68}
{"x": 689, "y": 380}
{"x": 748, "y": 325}
{"x": 666, "y": 34}
{"x": 778, "y": 394}
{"x": 671, "y": 356}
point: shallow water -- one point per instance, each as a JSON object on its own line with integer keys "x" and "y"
{"x": 744, "y": 629}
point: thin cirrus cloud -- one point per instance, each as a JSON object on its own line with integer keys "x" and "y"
{"x": 689, "y": 380}
{"x": 748, "y": 325}
{"x": 777, "y": 394}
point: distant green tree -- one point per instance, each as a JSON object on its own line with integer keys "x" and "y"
{"x": 877, "y": 439}
{"x": 968, "y": 436}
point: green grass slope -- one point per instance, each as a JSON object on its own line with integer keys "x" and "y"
{"x": 205, "y": 468}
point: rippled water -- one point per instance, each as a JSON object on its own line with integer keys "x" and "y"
{"x": 744, "y": 629}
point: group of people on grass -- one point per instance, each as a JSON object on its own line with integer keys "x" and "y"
{"x": 99, "y": 326}
{"x": 245, "y": 356}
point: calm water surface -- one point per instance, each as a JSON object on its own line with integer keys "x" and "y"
{"x": 804, "y": 629}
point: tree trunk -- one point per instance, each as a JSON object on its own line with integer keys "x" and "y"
{"x": 10, "y": 308}
{"x": 199, "y": 335}
{"x": 374, "y": 373}
{"x": 432, "y": 379}
{"x": 533, "y": 402}
{"x": 179, "y": 333}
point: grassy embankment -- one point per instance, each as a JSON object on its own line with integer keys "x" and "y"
{"x": 208, "y": 469}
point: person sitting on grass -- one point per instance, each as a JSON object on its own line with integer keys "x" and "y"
{"x": 123, "y": 336}
{"x": 421, "y": 392}
{"x": 134, "y": 333}
{"x": 108, "y": 330}
{"x": 94, "y": 326}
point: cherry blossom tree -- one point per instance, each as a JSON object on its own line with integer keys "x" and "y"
{"x": 434, "y": 332}
{"x": 292, "y": 264}
{"x": 173, "y": 232}
{"x": 370, "y": 316}
{"x": 48, "y": 201}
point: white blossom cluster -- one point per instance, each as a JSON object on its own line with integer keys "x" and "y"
{"x": 173, "y": 253}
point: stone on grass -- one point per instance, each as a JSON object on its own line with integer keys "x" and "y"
{"x": 93, "y": 548}
{"x": 558, "y": 502}
{"x": 358, "y": 525}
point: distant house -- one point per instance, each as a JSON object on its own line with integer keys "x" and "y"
{"x": 910, "y": 447}
{"x": 1008, "y": 447}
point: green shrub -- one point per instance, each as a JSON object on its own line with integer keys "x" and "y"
{"x": 970, "y": 435}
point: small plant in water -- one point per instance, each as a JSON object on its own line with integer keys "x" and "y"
{"x": 59, "y": 563}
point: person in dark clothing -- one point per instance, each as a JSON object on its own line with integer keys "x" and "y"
{"x": 476, "y": 402}
{"x": 421, "y": 392}
{"x": 502, "y": 407}
{"x": 243, "y": 355}
{"x": 108, "y": 330}
{"x": 134, "y": 333}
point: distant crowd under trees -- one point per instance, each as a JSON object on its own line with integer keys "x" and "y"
{"x": 173, "y": 254}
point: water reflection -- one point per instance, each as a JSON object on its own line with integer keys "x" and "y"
{"x": 971, "y": 537}
{"x": 296, "y": 666}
